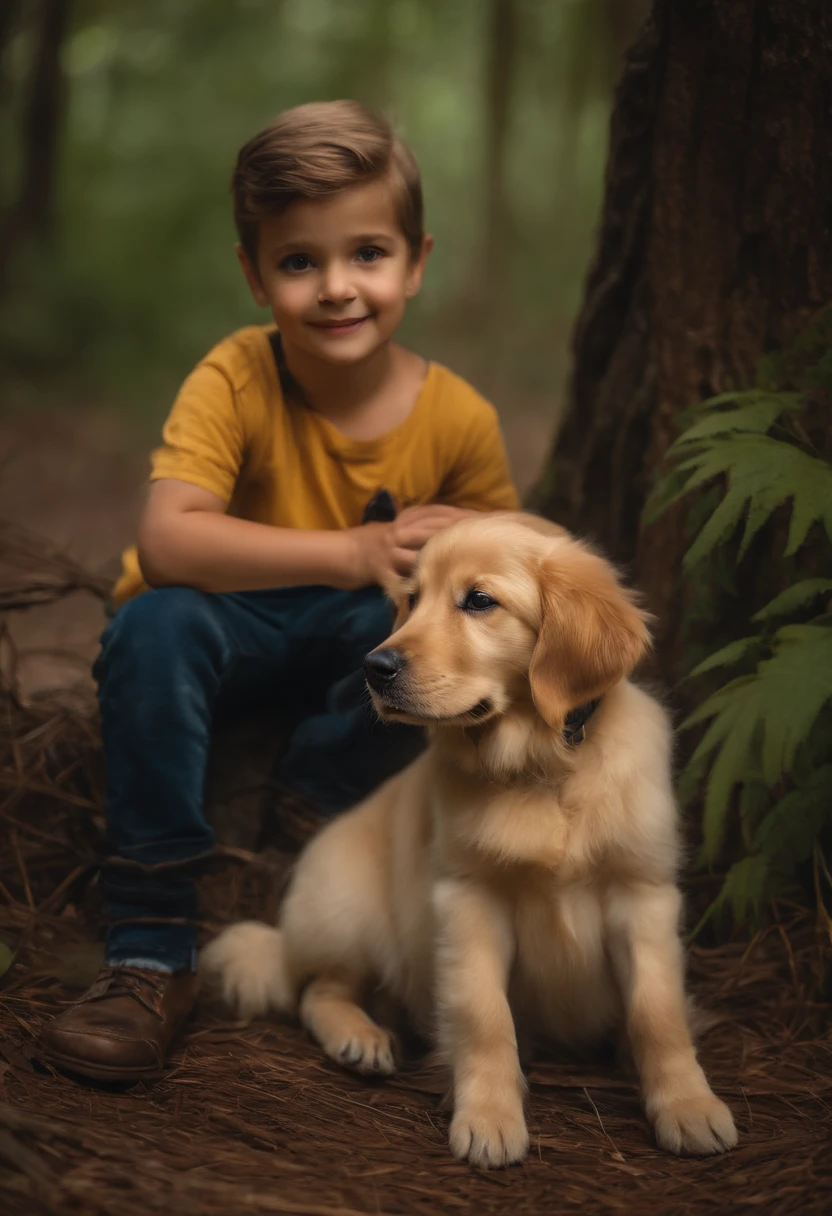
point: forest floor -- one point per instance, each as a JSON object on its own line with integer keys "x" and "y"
{"x": 252, "y": 1119}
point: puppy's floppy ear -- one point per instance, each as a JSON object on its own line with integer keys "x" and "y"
{"x": 592, "y": 634}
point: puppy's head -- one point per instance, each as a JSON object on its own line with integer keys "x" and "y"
{"x": 505, "y": 611}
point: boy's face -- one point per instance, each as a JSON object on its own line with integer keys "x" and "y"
{"x": 336, "y": 273}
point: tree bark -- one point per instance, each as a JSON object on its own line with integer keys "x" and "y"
{"x": 715, "y": 246}
{"x": 31, "y": 212}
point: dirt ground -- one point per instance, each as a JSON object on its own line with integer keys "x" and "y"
{"x": 252, "y": 1120}
{"x": 77, "y": 477}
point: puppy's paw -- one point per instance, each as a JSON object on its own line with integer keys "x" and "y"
{"x": 366, "y": 1049}
{"x": 698, "y": 1126}
{"x": 490, "y": 1135}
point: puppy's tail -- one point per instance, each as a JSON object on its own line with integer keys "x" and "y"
{"x": 247, "y": 962}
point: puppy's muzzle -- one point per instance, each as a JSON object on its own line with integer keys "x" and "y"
{"x": 381, "y": 667}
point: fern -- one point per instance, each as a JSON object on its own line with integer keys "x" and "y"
{"x": 791, "y": 827}
{"x": 760, "y": 720}
{"x": 745, "y": 890}
{"x": 728, "y": 655}
{"x": 793, "y": 598}
{"x": 764, "y": 759}
{"x": 762, "y": 474}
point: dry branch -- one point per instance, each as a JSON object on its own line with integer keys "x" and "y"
{"x": 34, "y": 572}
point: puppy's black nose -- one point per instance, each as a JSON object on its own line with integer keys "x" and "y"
{"x": 382, "y": 666}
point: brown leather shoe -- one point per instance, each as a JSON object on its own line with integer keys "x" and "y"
{"x": 121, "y": 1029}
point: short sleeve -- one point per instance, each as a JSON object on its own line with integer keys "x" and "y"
{"x": 203, "y": 441}
{"x": 480, "y": 479}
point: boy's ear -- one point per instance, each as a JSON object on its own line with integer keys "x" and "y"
{"x": 252, "y": 276}
{"x": 417, "y": 268}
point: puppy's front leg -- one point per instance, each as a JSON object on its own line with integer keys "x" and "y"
{"x": 475, "y": 950}
{"x": 648, "y": 959}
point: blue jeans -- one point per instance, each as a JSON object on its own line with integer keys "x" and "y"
{"x": 167, "y": 658}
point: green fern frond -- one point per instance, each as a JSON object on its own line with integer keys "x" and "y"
{"x": 737, "y": 756}
{"x": 791, "y": 827}
{"x": 745, "y": 886}
{"x": 666, "y": 490}
{"x": 714, "y": 704}
{"x": 718, "y": 528}
{"x": 816, "y": 749}
{"x": 744, "y": 890}
{"x": 754, "y": 802}
{"x": 690, "y": 780}
{"x": 793, "y": 598}
{"x": 732, "y": 734}
{"x": 757, "y": 413}
{"x": 763, "y": 473}
{"x": 762, "y": 718}
{"x": 794, "y": 687}
{"x": 728, "y": 656}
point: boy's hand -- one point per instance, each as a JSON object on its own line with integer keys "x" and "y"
{"x": 387, "y": 552}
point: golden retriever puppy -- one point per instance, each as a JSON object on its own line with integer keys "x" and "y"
{"x": 522, "y": 872}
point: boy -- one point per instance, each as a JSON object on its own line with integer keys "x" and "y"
{"x": 302, "y": 469}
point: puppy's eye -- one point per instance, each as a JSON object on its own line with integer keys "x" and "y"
{"x": 477, "y": 601}
{"x": 413, "y": 599}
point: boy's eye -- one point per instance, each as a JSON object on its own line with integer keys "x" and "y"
{"x": 296, "y": 261}
{"x": 369, "y": 254}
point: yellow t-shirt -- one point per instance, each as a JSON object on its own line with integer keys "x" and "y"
{"x": 277, "y": 462}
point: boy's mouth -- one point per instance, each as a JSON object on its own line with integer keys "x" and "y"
{"x": 347, "y": 326}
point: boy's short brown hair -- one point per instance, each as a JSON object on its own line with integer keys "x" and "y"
{"x": 316, "y": 150}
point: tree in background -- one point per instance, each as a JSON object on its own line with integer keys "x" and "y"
{"x": 29, "y": 210}
{"x": 715, "y": 247}
{"x": 702, "y": 389}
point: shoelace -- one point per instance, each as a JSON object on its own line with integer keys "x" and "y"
{"x": 146, "y": 987}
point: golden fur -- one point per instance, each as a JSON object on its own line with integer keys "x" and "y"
{"x": 507, "y": 878}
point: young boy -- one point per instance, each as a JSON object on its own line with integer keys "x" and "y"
{"x": 302, "y": 469}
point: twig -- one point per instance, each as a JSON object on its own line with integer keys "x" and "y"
{"x": 619, "y": 1156}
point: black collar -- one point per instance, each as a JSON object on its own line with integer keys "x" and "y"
{"x": 576, "y": 720}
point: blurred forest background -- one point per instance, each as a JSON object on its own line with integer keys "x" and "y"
{"x": 121, "y": 124}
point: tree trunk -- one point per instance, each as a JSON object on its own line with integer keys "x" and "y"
{"x": 715, "y": 246}
{"x": 9, "y": 16}
{"x": 31, "y": 212}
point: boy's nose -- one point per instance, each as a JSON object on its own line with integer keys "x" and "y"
{"x": 335, "y": 287}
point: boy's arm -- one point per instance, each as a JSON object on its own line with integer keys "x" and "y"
{"x": 186, "y": 539}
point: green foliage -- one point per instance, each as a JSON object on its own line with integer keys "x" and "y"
{"x": 762, "y": 768}
{"x": 763, "y": 472}
{"x": 758, "y": 721}
{"x": 799, "y": 595}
